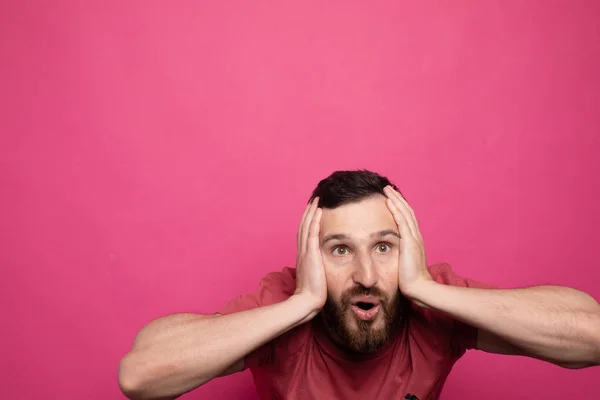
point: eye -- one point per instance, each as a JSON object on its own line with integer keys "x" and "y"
{"x": 383, "y": 247}
{"x": 341, "y": 250}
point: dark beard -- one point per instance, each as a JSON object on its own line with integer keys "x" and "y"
{"x": 365, "y": 339}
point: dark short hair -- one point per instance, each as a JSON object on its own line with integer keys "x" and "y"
{"x": 343, "y": 187}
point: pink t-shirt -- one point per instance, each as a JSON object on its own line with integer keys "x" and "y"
{"x": 305, "y": 364}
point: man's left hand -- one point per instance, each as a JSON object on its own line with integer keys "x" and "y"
{"x": 412, "y": 264}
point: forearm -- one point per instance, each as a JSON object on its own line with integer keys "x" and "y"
{"x": 554, "y": 323}
{"x": 174, "y": 356}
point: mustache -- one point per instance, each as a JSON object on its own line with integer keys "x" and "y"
{"x": 363, "y": 291}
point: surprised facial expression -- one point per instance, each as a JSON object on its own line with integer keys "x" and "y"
{"x": 360, "y": 246}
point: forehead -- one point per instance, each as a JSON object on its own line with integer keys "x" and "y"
{"x": 358, "y": 219}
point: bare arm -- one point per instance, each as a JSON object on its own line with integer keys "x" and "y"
{"x": 178, "y": 353}
{"x": 552, "y": 323}
{"x": 556, "y": 324}
{"x": 175, "y": 354}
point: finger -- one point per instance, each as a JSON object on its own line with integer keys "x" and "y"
{"x": 411, "y": 218}
{"x": 394, "y": 197}
{"x": 306, "y": 226}
{"x": 400, "y": 219}
{"x": 313, "y": 233}
{"x": 406, "y": 205}
{"x": 301, "y": 226}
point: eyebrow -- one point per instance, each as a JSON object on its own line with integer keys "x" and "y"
{"x": 341, "y": 236}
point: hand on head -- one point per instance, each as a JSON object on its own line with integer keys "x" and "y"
{"x": 310, "y": 270}
{"x": 412, "y": 265}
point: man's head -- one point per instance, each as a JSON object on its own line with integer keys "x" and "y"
{"x": 360, "y": 244}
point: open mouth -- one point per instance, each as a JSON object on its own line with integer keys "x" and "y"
{"x": 365, "y": 306}
{"x": 365, "y": 310}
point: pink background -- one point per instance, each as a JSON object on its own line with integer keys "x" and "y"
{"x": 156, "y": 158}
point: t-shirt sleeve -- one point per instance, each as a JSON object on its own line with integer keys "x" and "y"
{"x": 274, "y": 288}
{"x": 464, "y": 336}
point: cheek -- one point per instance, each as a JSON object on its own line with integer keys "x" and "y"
{"x": 387, "y": 263}
{"x": 336, "y": 280}
{"x": 388, "y": 274}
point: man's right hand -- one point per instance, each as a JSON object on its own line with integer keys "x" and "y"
{"x": 311, "y": 283}
{"x": 177, "y": 353}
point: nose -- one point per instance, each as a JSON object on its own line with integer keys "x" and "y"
{"x": 365, "y": 273}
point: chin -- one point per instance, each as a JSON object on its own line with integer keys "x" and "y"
{"x": 354, "y": 324}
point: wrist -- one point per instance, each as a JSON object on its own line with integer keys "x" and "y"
{"x": 419, "y": 292}
{"x": 308, "y": 305}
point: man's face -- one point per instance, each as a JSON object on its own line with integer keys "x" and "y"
{"x": 360, "y": 247}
